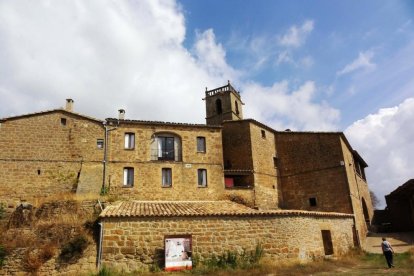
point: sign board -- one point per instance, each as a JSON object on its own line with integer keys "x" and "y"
{"x": 178, "y": 251}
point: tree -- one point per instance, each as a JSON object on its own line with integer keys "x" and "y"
{"x": 374, "y": 199}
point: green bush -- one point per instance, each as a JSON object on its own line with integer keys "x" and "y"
{"x": 2, "y": 211}
{"x": 73, "y": 250}
{"x": 3, "y": 254}
{"x": 233, "y": 260}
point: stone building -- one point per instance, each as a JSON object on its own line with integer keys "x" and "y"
{"x": 48, "y": 153}
{"x": 400, "y": 207}
{"x": 177, "y": 179}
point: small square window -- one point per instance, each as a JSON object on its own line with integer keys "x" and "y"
{"x": 202, "y": 178}
{"x": 312, "y": 201}
{"x": 100, "y": 143}
{"x": 201, "y": 144}
{"x": 129, "y": 141}
{"x": 129, "y": 177}
{"x": 263, "y": 134}
{"x": 166, "y": 177}
{"x": 63, "y": 121}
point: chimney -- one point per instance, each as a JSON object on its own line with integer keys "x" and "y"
{"x": 121, "y": 114}
{"x": 69, "y": 105}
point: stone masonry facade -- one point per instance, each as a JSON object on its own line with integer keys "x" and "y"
{"x": 137, "y": 243}
{"x": 229, "y": 157}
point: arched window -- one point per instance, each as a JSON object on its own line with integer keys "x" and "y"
{"x": 219, "y": 108}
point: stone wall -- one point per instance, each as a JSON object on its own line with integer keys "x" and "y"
{"x": 265, "y": 172}
{"x": 40, "y": 155}
{"x": 136, "y": 243}
{"x": 148, "y": 172}
{"x": 359, "y": 192}
{"x": 310, "y": 167}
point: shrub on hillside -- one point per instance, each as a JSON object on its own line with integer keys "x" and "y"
{"x": 3, "y": 254}
{"x": 73, "y": 250}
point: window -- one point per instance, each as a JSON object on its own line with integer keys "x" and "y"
{"x": 237, "y": 107}
{"x": 128, "y": 176}
{"x": 202, "y": 178}
{"x": 263, "y": 134}
{"x": 312, "y": 201}
{"x": 129, "y": 140}
{"x": 165, "y": 148}
{"x": 219, "y": 109}
{"x": 63, "y": 121}
{"x": 275, "y": 161}
{"x": 166, "y": 177}
{"x": 100, "y": 143}
{"x": 201, "y": 144}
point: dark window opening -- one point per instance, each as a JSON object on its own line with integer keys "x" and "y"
{"x": 100, "y": 143}
{"x": 166, "y": 177}
{"x": 327, "y": 242}
{"x": 219, "y": 108}
{"x": 63, "y": 121}
{"x": 312, "y": 201}
{"x": 263, "y": 134}
{"x": 201, "y": 144}
{"x": 38, "y": 172}
{"x": 238, "y": 181}
{"x": 237, "y": 107}
{"x": 275, "y": 162}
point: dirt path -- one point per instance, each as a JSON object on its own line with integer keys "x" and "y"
{"x": 367, "y": 270}
{"x": 401, "y": 242}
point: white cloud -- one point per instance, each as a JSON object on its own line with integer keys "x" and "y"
{"x": 296, "y": 36}
{"x": 114, "y": 54}
{"x": 284, "y": 57}
{"x": 281, "y": 107}
{"x": 108, "y": 55}
{"x": 307, "y": 62}
{"x": 211, "y": 56}
{"x": 386, "y": 141}
{"x": 363, "y": 61}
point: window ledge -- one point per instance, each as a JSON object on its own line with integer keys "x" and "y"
{"x": 202, "y": 187}
{"x": 129, "y": 148}
{"x": 127, "y": 186}
{"x": 166, "y": 186}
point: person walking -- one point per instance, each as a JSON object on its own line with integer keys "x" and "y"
{"x": 388, "y": 252}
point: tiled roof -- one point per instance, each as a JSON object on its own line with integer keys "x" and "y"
{"x": 198, "y": 208}
{"x": 144, "y": 122}
{"x": 50, "y": 111}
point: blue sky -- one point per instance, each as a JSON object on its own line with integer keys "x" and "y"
{"x": 304, "y": 65}
{"x": 342, "y": 30}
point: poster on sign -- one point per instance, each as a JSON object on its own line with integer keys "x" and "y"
{"x": 178, "y": 253}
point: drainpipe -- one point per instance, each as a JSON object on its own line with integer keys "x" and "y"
{"x": 100, "y": 245}
{"x": 105, "y": 159}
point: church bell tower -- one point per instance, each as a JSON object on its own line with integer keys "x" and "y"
{"x": 223, "y": 103}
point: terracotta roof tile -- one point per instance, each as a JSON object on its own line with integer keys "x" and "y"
{"x": 197, "y": 209}
{"x": 50, "y": 111}
{"x": 144, "y": 122}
